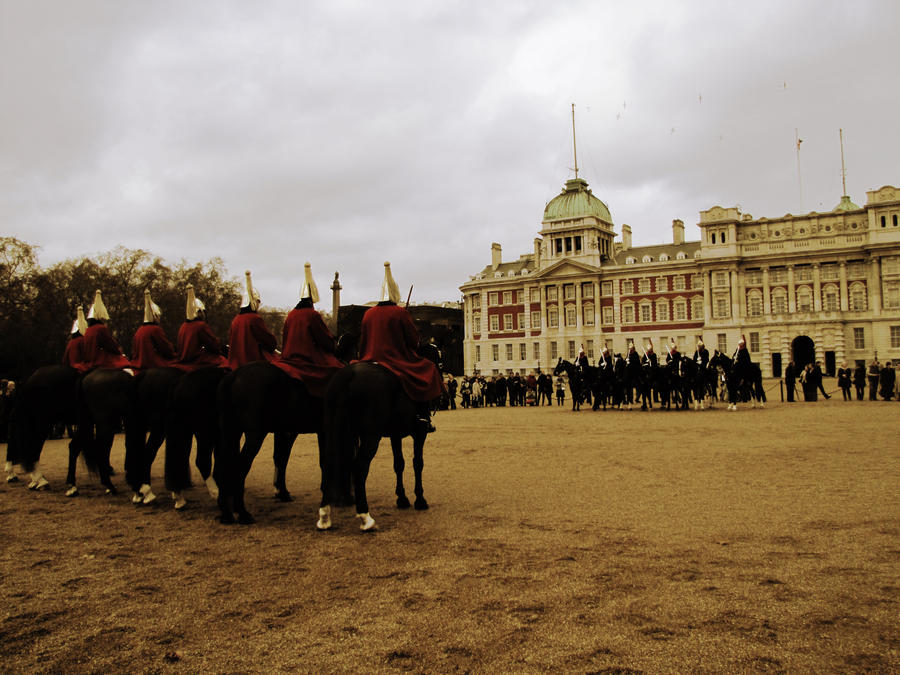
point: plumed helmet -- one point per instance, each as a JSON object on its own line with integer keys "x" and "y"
{"x": 699, "y": 344}
{"x": 742, "y": 342}
{"x": 674, "y": 344}
{"x": 251, "y": 296}
{"x": 79, "y": 325}
{"x": 98, "y": 309}
{"x": 389, "y": 288}
{"x": 309, "y": 289}
{"x": 152, "y": 312}
{"x": 194, "y": 304}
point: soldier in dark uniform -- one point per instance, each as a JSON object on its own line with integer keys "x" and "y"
{"x": 674, "y": 356}
{"x": 389, "y": 337}
{"x": 887, "y": 379}
{"x": 649, "y": 364}
{"x": 150, "y": 347}
{"x": 249, "y": 339}
{"x": 307, "y": 346}
{"x": 633, "y": 375}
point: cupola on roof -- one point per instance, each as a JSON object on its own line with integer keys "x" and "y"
{"x": 576, "y": 201}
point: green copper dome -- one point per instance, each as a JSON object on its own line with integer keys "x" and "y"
{"x": 576, "y": 201}
{"x": 846, "y": 205}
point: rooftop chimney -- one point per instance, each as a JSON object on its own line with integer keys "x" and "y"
{"x": 495, "y": 255}
{"x": 626, "y": 237}
{"x": 677, "y": 232}
{"x": 537, "y": 253}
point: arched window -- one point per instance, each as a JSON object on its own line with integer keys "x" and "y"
{"x": 804, "y": 299}
{"x": 779, "y": 301}
{"x": 663, "y": 257}
{"x": 754, "y": 303}
{"x": 629, "y": 260}
{"x": 858, "y": 297}
{"x": 681, "y": 255}
{"x": 646, "y": 259}
{"x": 713, "y": 237}
{"x": 830, "y": 298}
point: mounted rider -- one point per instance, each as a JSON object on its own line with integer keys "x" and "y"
{"x": 701, "y": 355}
{"x": 307, "y": 346}
{"x": 74, "y": 354}
{"x": 582, "y": 360}
{"x": 100, "y": 347}
{"x": 674, "y": 356}
{"x": 249, "y": 339}
{"x": 742, "y": 363}
{"x": 150, "y": 347}
{"x": 605, "y": 362}
{"x": 389, "y": 337}
{"x": 197, "y": 346}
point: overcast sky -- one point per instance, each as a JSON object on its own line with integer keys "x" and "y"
{"x": 348, "y": 133}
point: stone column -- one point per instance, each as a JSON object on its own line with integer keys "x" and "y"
{"x": 526, "y": 311}
{"x": 742, "y": 293}
{"x": 543, "y": 291}
{"x": 735, "y": 298}
{"x": 817, "y": 288}
{"x": 579, "y": 320}
{"x": 792, "y": 291}
{"x": 707, "y": 297}
{"x": 845, "y": 300}
{"x": 873, "y": 287}
{"x": 767, "y": 293}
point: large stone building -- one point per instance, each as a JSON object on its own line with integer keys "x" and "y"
{"x": 822, "y": 286}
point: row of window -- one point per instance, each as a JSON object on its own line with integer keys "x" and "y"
{"x": 830, "y": 299}
{"x": 631, "y": 260}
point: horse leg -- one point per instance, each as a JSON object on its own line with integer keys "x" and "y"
{"x": 252, "y": 443}
{"x": 105, "y": 438}
{"x": 418, "y": 465}
{"x": 368, "y": 446}
{"x": 284, "y": 441}
{"x": 399, "y": 465}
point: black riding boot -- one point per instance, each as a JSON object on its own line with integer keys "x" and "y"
{"x": 423, "y": 416}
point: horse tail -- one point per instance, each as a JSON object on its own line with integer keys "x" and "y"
{"x": 340, "y": 438}
{"x": 228, "y": 448}
{"x": 85, "y": 437}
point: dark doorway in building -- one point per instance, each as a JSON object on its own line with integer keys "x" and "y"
{"x": 776, "y": 365}
{"x": 803, "y": 351}
{"x": 830, "y": 364}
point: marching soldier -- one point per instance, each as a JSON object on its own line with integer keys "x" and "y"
{"x": 307, "y": 346}
{"x": 389, "y": 337}
{"x": 249, "y": 339}
{"x": 197, "y": 345}
{"x": 100, "y": 347}
{"x": 150, "y": 347}
{"x": 74, "y": 354}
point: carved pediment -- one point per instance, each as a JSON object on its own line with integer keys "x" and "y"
{"x": 888, "y": 193}
{"x": 565, "y": 268}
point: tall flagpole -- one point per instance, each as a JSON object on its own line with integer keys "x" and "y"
{"x": 798, "y": 141}
{"x": 574, "y": 148}
{"x": 843, "y": 169}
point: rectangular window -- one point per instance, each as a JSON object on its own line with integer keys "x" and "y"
{"x": 779, "y": 303}
{"x": 587, "y": 290}
{"x": 570, "y": 315}
{"x": 536, "y": 348}
{"x": 628, "y": 314}
{"x": 522, "y": 352}
{"x": 554, "y": 351}
{"x": 722, "y": 343}
{"x": 507, "y": 297}
{"x": 892, "y": 295}
{"x": 680, "y": 310}
{"x": 495, "y": 352}
{"x": 588, "y": 315}
{"x": 492, "y": 299}
{"x": 646, "y": 313}
{"x": 721, "y": 306}
{"x": 662, "y": 310}
{"x": 859, "y": 338}
{"x": 552, "y": 317}
{"x": 627, "y": 287}
{"x": 803, "y": 273}
{"x": 520, "y": 297}
{"x": 895, "y": 337}
{"x": 577, "y": 243}
{"x": 569, "y": 291}
{"x": 495, "y": 323}
{"x": 697, "y": 308}
{"x": 753, "y": 277}
{"x": 476, "y": 301}
{"x": 679, "y": 282}
{"x": 589, "y": 349}
{"x": 606, "y": 288}
{"x": 535, "y": 295}
{"x": 507, "y": 322}
{"x": 607, "y": 316}
{"x": 644, "y": 285}
{"x": 509, "y": 352}
{"x": 662, "y": 284}
{"x": 535, "y": 320}
{"x": 858, "y": 298}
{"x": 696, "y": 281}
{"x": 572, "y": 349}
{"x": 829, "y": 272}
{"x": 754, "y": 342}
{"x": 551, "y": 293}
{"x": 754, "y": 305}
{"x": 520, "y": 321}
{"x": 720, "y": 279}
{"x": 777, "y": 275}
{"x": 829, "y": 300}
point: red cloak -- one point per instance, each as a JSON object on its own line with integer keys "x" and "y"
{"x": 74, "y": 354}
{"x": 389, "y": 337}
{"x": 249, "y": 340}
{"x": 150, "y": 348}
{"x": 198, "y": 347}
{"x": 101, "y": 349}
{"x": 307, "y": 350}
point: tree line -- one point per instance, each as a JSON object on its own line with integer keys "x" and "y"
{"x": 38, "y": 305}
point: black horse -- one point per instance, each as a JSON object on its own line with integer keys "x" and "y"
{"x": 576, "y": 381}
{"x": 364, "y": 403}
{"x": 46, "y": 398}
{"x": 253, "y": 401}
{"x": 741, "y": 387}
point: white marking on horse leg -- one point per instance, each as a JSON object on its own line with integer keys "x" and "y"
{"x": 212, "y": 487}
{"x": 368, "y": 523}
{"x": 136, "y": 498}
{"x": 180, "y": 501}
{"x": 324, "y": 518}
{"x": 72, "y": 491}
{"x": 147, "y": 493}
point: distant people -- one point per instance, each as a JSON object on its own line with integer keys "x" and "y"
{"x": 873, "y": 375}
{"x": 808, "y": 383}
{"x": 845, "y": 381}
{"x": 859, "y": 381}
{"x": 465, "y": 392}
{"x": 817, "y": 370}
{"x": 790, "y": 380}
{"x": 887, "y": 379}
{"x": 452, "y": 386}
{"x": 560, "y": 391}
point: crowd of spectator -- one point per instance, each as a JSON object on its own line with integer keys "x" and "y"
{"x": 478, "y": 391}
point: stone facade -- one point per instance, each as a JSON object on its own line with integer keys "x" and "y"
{"x": 821, "y": 286}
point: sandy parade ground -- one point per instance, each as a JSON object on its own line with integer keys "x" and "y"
{"x": 620, "y": 542}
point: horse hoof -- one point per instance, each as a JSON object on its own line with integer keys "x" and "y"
{"x": 12, "y": 478}
{"x": 180, "y": 501}
{"x": 368, "y": 523}
{"x": 283, "y": 496}
{"x": 227, "y": 519}
{"x": 324, "y": 522}
{"x": 212, "y": 487}
{"x": 245, "y": 518}
{"x": 421, "y": 504}
{"x": 111, "y": 490}
{"x": 149, "y": 498}
{"x": 403, "y": 502}
{"x": 136, "y": 498}
{"x": 72, "y": 491}
{"x": 40, "y": 485}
